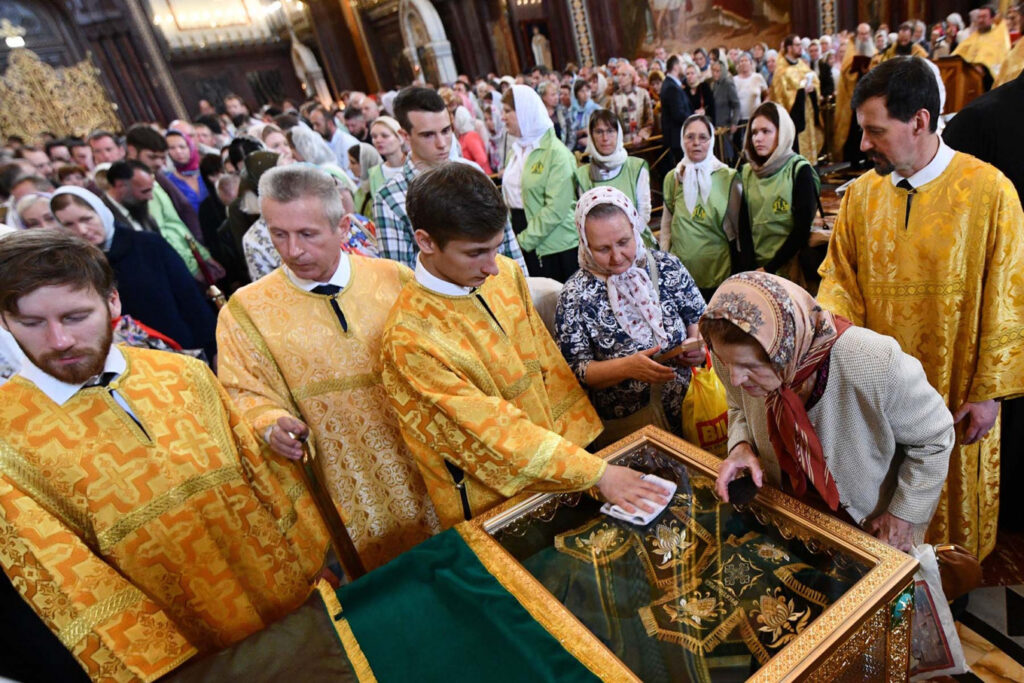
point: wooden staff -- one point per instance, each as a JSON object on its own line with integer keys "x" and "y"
{"x": 344, "y": 548}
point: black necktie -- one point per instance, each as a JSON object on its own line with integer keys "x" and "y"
{"x": 905, "y": 185}
{"x": 331, "y": 290}
{"x": 103, "y": 380}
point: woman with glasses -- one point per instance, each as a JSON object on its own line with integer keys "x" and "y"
{"x": 703, "y": 197}
{"x": 610, "y": 166}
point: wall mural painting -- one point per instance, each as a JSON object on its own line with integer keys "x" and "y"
{"x": 684, "y": 25}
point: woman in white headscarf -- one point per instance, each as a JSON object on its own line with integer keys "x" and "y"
{"x": 155, "y": 286}
{"x": 780, "y": 189}
{"x": 537, "y": 186}
{"x": 703, "y": 196}
{"x": 625, "y": 308}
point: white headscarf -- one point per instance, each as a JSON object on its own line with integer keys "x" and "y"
{"x": 696, "y": 175}
{"x": 97, "y": 205}
{"x": 531, "y": 114}
{"x": 598, "y": 161}
{"x": 463, "y": 121}
{"x": 631, "y": 294}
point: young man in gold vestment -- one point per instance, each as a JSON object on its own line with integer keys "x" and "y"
{"x": 138, "y": 517}
{"x": 486, "y": 403}
{"x": 300, "y": 354}
{"x": 929, "y": 250}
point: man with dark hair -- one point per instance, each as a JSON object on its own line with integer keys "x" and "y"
{"x": 81, "y": 154}
{"x": 427, "y": 128}
{"x": 795, "y": 86}
{"x": 271, "y": 337}
{"x": 106, "y": 149}
{"x": 58, "y": 151}
{"x": 486, "y": 403}
{"x": 356, "y": 124}
{"x": 929, "y": 250}
{"x": 988, "y": 44}
{"x": 675, "y": 107}
{"x": 134, "y": 197}
{"x": 903, "y": 47}
{"x": 150, "y": 147}
{"x": 39, "y": 159}
{"x": 326, "y": 123}
{"x": 126, "y": 467}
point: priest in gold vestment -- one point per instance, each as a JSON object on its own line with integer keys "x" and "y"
{"x": 856, "y": 62}
{"x": 485, "y": 400}
{"x": 988, "y": 45}
{"x": 300, "y": 354}
{"x": 903, "y": 47}
{"x": 930, "y": 250}
{"x": 795, "y": 86}
{"x": 138, "y": 516}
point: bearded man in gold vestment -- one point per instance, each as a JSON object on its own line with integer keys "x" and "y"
{"x": 795, "y": 86}
{"x": 487, "y": 404}
{"x": 930, "y": 250}
{"x": 138, "y": 516}
{"x": 300, "y": 354}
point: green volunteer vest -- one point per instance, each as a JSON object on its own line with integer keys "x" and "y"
{"x": 698, "y": 239}
{"x": 624, "y": 182}
{"x": 769, "y": 201}
{"x": 377, "y": 179}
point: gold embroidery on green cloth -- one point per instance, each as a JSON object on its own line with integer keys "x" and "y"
{"x": 544, "y": 607}
{"x": 597, "y": 542}
{"x": 30, "y": 480}
{"x": 679, "y": 622}
{"x": 779, "y": 617}
{"x": 355, "y": 654}
{"x": 787, "y": 575}
{"x": 165, "y": 502}
{"x": 93, "y": 616}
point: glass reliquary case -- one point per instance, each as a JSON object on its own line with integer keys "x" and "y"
{"x": 771, "y": 591}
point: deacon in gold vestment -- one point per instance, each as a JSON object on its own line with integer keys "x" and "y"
{"x": 988, "y": 45}
{"x": 138, "y": 517}
{"x": 941, "y": 269}
{"x": 305, "y": 362}
{"x": 486, "y": 402}
{"x": 795, "y": 86}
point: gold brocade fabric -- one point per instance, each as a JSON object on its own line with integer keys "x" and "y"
{"x": 492, "y": 395}
{"x": 789, "y": 80}
{"x": 140, "y": 548}
{"x": 915, "y": 51}
{"x": 950, "y": 289}
{"x": 847, "y": 81}
{"x": 989, "y": 48}
{"x": 283, "y": 352}
{"x": 1012, "y": 65}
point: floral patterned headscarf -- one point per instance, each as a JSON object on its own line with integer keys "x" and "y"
{"x": 797, "y": 335}
{"x": 631, "y": 294}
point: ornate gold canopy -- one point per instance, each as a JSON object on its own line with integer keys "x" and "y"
{"x": 63, "y": 101}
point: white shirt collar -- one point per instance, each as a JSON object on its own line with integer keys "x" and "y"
{"x": 61, "y": 392}
{"x": 340, "y": 278}
{"x": 436, "y": 284}
{"x": 933, "y": 170}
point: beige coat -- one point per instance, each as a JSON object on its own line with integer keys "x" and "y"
{"x": 885, "y": 431}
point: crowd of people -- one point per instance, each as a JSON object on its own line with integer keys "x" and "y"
{"x": 449, "y": 295}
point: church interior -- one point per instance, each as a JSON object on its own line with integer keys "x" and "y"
{"x": 364, "y": 464}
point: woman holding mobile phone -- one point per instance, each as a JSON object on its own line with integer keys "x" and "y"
{"x": 625, "y": 309}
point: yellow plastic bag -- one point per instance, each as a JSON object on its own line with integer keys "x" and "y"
{"x": 706, "y": 411}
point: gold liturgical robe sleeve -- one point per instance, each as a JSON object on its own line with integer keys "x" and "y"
{"x": 478, "y": 382}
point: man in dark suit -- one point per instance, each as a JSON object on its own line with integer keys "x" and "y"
{"x": 674, "y": 107}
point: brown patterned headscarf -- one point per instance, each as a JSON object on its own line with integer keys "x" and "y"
{"x": 797, "y": 335}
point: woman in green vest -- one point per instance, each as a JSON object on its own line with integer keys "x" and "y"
{"x": 610, "y": 166}
{"x": 781, "y": 192}
{"x": 703, "y": 197}
{"x": 386, "y": 137}
{"x": 362, "y": 159}
{"x": 538, "y": 186}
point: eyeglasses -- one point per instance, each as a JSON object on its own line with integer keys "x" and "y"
{"x": 690, "y": 137}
